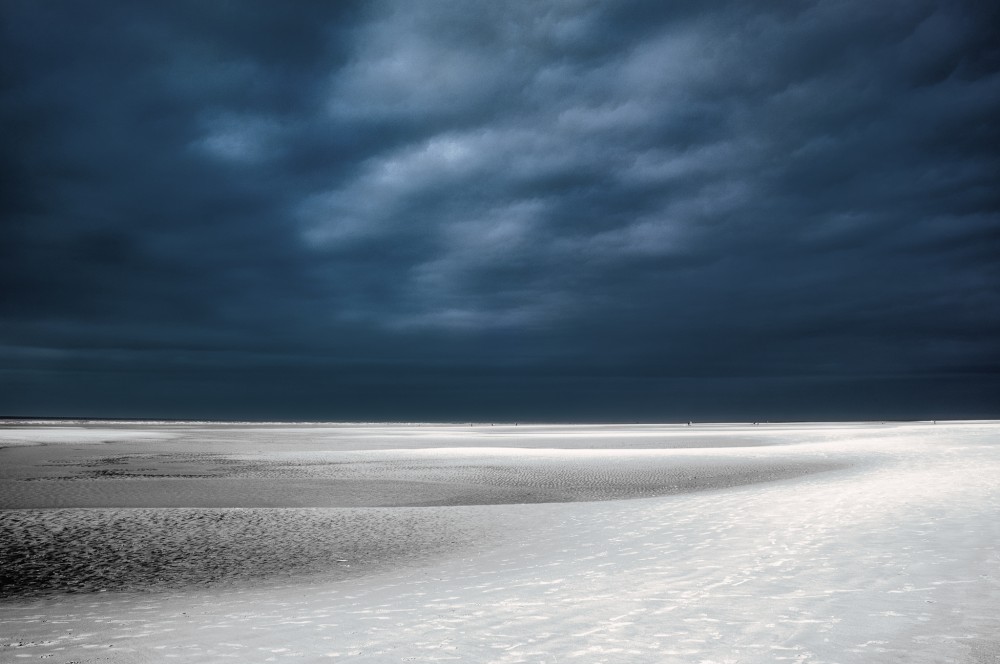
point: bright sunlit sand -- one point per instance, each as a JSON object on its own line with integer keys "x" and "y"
{"x": 617, "y": 543}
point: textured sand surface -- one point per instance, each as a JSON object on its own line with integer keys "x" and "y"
{"x": 891, "y": 555}
{"x": 388, "y": 479}
{"x": 113, "y": 547}
{"x": 123, "y": 549}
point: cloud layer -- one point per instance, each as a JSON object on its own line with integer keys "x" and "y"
{"x": 445, "y": 210}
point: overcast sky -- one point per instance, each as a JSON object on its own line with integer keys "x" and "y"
{"x": 465, "y": 210}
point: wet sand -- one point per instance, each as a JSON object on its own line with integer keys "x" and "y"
{"x": 130, "y": 538}
{"x": 511, "y": 543}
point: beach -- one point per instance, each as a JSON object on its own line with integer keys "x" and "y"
{"x": 854, "y": 542}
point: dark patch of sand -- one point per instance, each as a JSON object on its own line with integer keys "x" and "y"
{"x": 87, "y": 550}
{"x": 155, "y": 544}
{"x": 400, "y": 483}
{"x": 218, "y": 505}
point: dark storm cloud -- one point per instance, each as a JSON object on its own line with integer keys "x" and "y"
{"x": 329, "y": 210}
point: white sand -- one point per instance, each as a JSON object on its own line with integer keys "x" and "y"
{"x": 892, "y": 557}
{"x": 11, "y": 435}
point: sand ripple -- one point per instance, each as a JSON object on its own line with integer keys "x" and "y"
{"x": 131, "y": 513}
{"x": 338, "y": 480}
{"x": 129, "y": 549}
